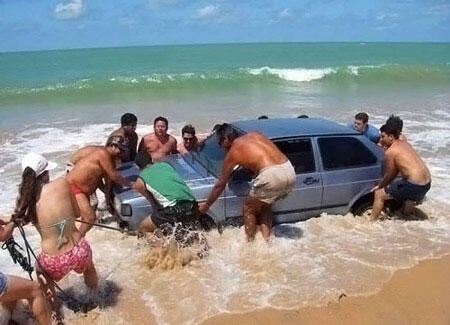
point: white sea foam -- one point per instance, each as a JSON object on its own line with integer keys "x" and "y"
{"x": 309, "y": 262}
{"x": 298, "y": 74}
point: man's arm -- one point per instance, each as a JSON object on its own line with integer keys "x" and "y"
{"x": 141, "y": 146}
{"x": 139, "y": 186}
{"x": 133, "y": 145}
{"x": 108, "y": 166}
{"x": 174, "y": 148}
{"x": 390, "y": 171}
{"x": 227, "y": 168}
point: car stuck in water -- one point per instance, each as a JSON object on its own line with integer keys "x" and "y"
{"x": 336, "y": 167}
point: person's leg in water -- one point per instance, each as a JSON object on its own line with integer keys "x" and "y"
{"x": 87, "y": 214}
{"x": 90, "y": 275}
{"x": 252, "y": 209}
{"x": 48, "y": 288}
{"x": 147, "y": 226}
{"x": 380, "y": 197}
{"x": 265, "y": 220}
{"x": 20, "y": 288}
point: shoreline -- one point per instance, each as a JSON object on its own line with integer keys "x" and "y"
{"x": 418, "y": 295}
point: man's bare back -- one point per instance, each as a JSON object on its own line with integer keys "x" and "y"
{"x": 275, "y": 179}
{"x": 255, "y": 152}
{"x": 158, "y": 147}
{"x": 83, "y": 152}
{"x": 408, "y": 162}
{"x": 89, "y": 171}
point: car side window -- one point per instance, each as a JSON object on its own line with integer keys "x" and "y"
{"x": 300, "y": 153}
{"x": 344, "y": 152}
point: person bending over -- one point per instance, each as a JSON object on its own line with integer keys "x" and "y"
{"x": 86, "y": 176}
{"x": 172, "y": 200}
{"x": 400, "y": 158}
{"x": 275, "y": 176}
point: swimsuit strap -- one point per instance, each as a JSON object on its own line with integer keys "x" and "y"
{"x": 61, "y": 225}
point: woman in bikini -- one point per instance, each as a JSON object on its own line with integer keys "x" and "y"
{"x": 52, "y": 209}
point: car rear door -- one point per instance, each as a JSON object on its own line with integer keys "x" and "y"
{"x": 349, "y": 168}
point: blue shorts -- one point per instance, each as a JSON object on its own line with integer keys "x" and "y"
{"x": 3, "y": 283}
{"x": 404, "y": 189}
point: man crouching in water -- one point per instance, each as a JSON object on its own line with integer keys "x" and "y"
{"x": 86, "y": 176}
{"x": 275, "y": 180}
{"x": 172, "y": 200}
{"x": 400, "y": 157}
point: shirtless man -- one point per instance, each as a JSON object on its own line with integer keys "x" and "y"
{"x": 400, "y": 158}
{"x": 190, "y": 140}
{"x": 275, "y": 180}
{"x": 158, "y": 144}
{"x": 128, "y": 123}
{"x": 86, "y": 176}
{"x": 80, "y": 154}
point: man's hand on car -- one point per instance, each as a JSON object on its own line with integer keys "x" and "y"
{"x": 203, "y": 207}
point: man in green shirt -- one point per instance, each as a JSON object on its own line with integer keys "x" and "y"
{"x": 172, "y": 200}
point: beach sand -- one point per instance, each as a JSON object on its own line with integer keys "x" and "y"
{"x": 420, "y": 295}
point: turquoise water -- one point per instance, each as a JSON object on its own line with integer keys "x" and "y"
{"x": 97, "y": 75}
{"x": 55, "y": 102}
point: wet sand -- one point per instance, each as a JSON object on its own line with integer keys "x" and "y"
{"x": 420, "y": 295}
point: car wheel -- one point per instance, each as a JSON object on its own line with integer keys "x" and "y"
{"x": 361, "y": 208}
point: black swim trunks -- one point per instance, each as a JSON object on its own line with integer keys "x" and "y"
{"x": 183, "y": 212}
{"x": 405, "y": 189}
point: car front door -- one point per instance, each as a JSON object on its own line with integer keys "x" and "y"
{"x": 304, "y": 200}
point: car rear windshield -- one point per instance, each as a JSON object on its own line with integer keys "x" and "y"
{"x": 344, "y": 152}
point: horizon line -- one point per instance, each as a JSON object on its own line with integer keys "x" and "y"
{"x": 225, "y": 43}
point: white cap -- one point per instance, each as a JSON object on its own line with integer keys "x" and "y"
{"x": 38, "y": 163}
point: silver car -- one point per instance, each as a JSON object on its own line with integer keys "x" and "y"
{"x": 336, "y": 169}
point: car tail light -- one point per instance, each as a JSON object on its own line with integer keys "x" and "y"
{"x": 125, "y": 210}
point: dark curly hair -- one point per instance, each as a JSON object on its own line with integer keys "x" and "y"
{"x": 29, "y": 191}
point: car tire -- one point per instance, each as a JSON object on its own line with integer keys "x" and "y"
{"x": 360, "y": 208}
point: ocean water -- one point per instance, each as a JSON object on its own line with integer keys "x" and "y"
{"x": 54, "y": 102}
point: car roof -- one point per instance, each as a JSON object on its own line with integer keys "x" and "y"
{"x": 294, "y": 127}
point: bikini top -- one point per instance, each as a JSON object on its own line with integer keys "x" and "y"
{"x": 61, "y": 225}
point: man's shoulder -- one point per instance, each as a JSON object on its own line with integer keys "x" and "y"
{"x": 372, "y": 129}
{"x": 101, "y": 153}
{"x": 181, "y": 149}
{"x": 118, "y": 131}
{"x": 149, "y": 137}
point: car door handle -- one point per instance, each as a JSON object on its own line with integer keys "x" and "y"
{"x": 310, "y": 180}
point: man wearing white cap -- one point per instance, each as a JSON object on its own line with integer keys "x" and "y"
{"x": 52, "y": 208}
